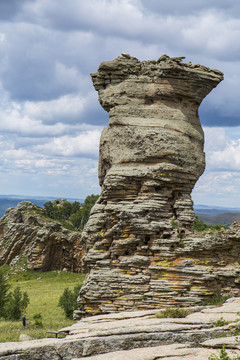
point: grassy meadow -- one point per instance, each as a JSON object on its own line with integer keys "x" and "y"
{"x": 44, "y": 290}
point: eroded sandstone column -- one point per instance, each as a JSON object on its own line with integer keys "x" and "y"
{"x": 151, "y": 155}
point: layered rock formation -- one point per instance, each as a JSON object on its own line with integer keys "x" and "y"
{"x": 28, "y": 238}
{"x": 151, "y": 155}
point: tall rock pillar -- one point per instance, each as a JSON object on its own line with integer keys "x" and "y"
{"x": 151, "y": 155}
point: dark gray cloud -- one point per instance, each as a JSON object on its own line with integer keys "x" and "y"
{"x": 10, "y": 8}
{"x": 213, "y": 117}
{"x": 186, "y": 7}
{"x": 35, "y": 66}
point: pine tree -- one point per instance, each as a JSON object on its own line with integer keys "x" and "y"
{"x": 4, "y": 287}
{"x": 17, "y": 303}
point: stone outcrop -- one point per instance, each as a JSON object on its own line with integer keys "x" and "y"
{"x": 151, "y": 155}
{"x": 139, "y": 335}
{"x": 30, "y": 239}
{"x": 181, "y": 272}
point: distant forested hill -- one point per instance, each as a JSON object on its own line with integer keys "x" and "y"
{"x": 223, "y": 219}
{"x": 217, "y": 215}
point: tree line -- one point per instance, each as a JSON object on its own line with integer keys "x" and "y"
{"x": 199, "y": 226}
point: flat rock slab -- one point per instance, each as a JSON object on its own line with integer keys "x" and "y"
{"x": 167, "y": 352}
{"x": 229, "y": 342}
{"x": 146, "y": 322}
{"x": 8, "y": 348}
{"x": 136, "y": 335}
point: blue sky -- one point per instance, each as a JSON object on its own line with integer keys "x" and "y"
{"x": 50, "y": 118}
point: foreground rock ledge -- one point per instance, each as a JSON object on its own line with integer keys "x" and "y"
{"x": 138, "y": 335}
{"x": 151, "y": 155}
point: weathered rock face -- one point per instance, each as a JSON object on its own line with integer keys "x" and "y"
{"x": 45, "y": 245}
{"x": 172, "y": 272}
{"x": 151, "y": 155}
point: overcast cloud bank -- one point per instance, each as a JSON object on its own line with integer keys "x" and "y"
{"x": 50, "y": 118}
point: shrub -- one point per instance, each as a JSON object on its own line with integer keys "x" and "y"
{"x": 199, "y": 225}
{"x": 215, "y": 300}
{"x": 37, "y": 320}
{"x": 173, "y": 313}
{"x": 236, "y": 330}
{"x": 220, "y": 322}
{"x": 223, "y": 355}
{"x": 68, "y": 301}
{"x": 175, "y": 224}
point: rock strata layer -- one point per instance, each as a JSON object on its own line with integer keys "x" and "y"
{"x": 181, "y": 272}
{"x": 151, "y": 155}
{"x": 139, "y": 335}
{"x": 30, "y": 239}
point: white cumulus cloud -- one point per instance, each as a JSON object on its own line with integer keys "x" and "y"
{"x": 85, "y": 144}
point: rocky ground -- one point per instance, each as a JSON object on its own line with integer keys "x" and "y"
{"x": 139, "y": 335}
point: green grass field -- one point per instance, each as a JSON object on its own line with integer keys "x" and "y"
{"x": 44, "y": 290}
